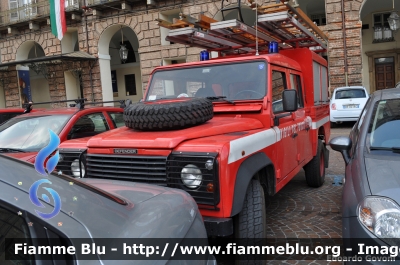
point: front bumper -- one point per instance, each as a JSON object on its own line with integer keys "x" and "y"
{"x": 218, "y": 226}
{"x": 354, "y": 233}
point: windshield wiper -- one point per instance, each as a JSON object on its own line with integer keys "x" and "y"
{"x": 6, "y": 150}
{"x": 393, "y": 149}
{"x": 221, "y": 97}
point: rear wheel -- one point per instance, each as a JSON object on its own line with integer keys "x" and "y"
{"x": 315, "y": 169}
{"x": 250, "y": 223}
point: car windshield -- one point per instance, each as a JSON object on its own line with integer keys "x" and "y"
{"x": 384, "y": 127}
{"x": 350, "y": 93}
{"x": 226, "y": 81}
{"x": 30, "y": 133}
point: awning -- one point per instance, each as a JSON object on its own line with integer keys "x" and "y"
{"x": 73, "y": 56}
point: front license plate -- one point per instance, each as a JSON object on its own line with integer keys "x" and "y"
{"x": 353, "y": 106}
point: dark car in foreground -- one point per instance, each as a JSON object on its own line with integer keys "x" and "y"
{"x": 103, "y": 212}
{"x": 371, "y": 193}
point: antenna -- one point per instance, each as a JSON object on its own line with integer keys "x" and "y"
{"x": 256, "y": 29}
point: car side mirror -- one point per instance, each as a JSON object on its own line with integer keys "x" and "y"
{"x": 289, "y": 100}
{"x": 343, "y": 145}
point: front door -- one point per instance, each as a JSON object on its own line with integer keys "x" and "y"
{"x": 287, "y": 146}
{"x": 384, "y": 73}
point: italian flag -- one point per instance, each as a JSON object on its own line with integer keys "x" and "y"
{"x": 57, "y": 18}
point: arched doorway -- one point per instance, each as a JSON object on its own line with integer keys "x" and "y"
{"x": 119, "y": 79}
{"x": 380, "y": 45}
{"x": 33, "y": 85}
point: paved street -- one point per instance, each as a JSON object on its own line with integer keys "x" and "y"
{"x": 299, "y": 211}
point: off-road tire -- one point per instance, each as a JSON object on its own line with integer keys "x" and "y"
{"x": 315, "y": 169}
{"x": 168, "y": 115}
{"x": 250, "y": 223}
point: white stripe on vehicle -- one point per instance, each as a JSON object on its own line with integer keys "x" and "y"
{"x": 252, "y": 143}
{"x": 319, "y": 123}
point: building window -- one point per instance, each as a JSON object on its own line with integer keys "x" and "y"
{"x": 130, "y": 85}
{"x": 27, "y": 10}
{"x": 382, "y": 32}
{"x": 319, "y": 20}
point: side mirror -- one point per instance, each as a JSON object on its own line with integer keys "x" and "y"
{"x": 343, "y": 145}
{"x": 289, "y": 100}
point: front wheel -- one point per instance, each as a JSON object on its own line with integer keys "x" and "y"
{"x": 315, "y": 169}
{"x": 250, "y": 223}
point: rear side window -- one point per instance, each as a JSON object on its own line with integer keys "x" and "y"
{"x": 117, "y": 118}
{"x": 13, "y": 227}
{"x": 350, "y": 93}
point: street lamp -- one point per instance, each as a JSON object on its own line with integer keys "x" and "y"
{"x": 123, "y": 51}
{"x": 394, "y": 21}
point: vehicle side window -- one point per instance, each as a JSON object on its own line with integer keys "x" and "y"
{"x": 355, "y": 131}
{"x": 88, "y": 125}
{"x": 278, "y": 85}
{"x": 117, "y": 118}
{"x": 13, "y": 226}
{"x": 295, "y": 82}
{"x": 6, "y": 116}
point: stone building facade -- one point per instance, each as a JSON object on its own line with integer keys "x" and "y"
{"x": 97, "y": 30}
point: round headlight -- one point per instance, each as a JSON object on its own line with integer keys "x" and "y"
{"x": 381, "y": 216}
{"x": 75, "y": 169}
{"x": 191, "y": 176}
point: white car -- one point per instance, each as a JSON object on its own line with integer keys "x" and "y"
{"x": 347, "y": 103}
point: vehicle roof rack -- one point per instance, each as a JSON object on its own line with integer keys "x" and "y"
{"x": 80, "y": 103}
{"x": 283, "y": 23}
{"x": 123, "y": 102}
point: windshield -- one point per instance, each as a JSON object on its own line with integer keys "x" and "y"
{"x": 350, "y": 93}
{"x": 30, "y": 133}
{"x": 384, "y": 126}
{"x": 230, "y": 81}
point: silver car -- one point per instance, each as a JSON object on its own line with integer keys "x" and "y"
{"x": 66, "y": 212}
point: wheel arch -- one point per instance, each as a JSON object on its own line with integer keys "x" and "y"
{"x": 259, "y": 165}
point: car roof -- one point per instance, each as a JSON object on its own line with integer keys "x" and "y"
{"x": 389, "y": 93}
{"x": 349, "y": 87}
{"x": 82, "y": 203}
{"x": 69, "y": 110}
{"x": 21, "y": 110}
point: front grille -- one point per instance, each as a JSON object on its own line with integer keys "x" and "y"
{"x": 145, "y": 169}
{"x": 68, "y": 156}
{"x": 176, "y": 161}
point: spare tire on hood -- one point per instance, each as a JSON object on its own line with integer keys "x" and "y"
{"x": 168, "y": 114}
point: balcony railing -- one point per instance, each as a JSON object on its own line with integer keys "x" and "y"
{"x": 99, "y": 2}
{"x": 32, "y": 11}
{"x": 24, "y": 13}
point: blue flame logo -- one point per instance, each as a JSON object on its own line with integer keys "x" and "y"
{"x": 40, "y": 168}
{"x": 45, "y": 152}
{"x": 35, "y": 200}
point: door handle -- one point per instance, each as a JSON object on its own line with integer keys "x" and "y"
{"x": 294, "y": 135}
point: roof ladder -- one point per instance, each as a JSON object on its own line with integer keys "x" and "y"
{"x": 281, "y": 23}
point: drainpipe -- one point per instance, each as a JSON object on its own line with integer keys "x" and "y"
{"x": 86, "y": 9}
{"x": 344, "y": 45}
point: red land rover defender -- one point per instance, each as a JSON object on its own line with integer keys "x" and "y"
{"x": 230, "y": 130}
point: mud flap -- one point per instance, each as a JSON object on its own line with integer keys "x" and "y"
{"x": 326, "y": 156}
